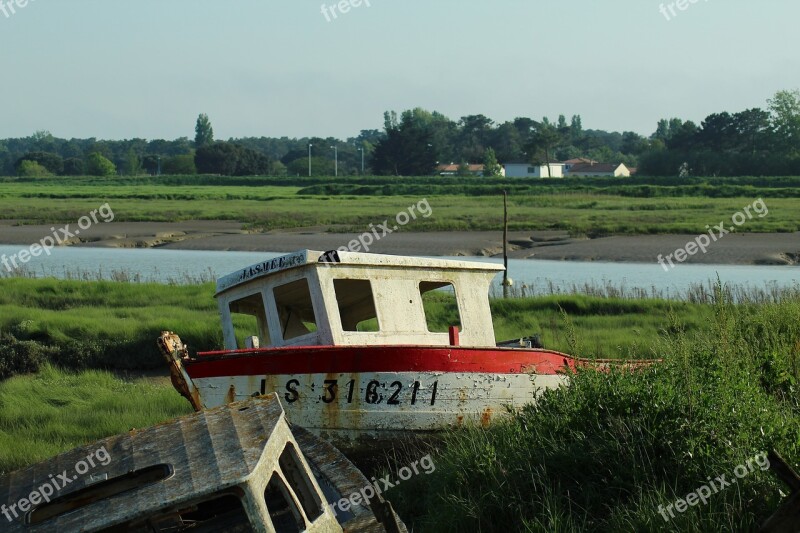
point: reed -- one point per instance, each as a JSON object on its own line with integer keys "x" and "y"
{"x": 609, "y": 450}
{"x": 53, "y": 411}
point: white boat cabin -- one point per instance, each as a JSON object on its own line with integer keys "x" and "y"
{"x": 312, "y": 298}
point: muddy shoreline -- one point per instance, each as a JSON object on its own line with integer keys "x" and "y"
{"x": 742, "y": 249}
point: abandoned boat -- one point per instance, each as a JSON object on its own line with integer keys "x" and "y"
{"x": 236, "y": 468}
{"x": 349, "y": 343}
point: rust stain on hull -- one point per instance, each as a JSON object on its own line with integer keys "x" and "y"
{"x": 486, "y": 417}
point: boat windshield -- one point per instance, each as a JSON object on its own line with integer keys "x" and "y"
{"x": 440, "y": 306}
{"x": 250, "y": 321}
{"x": 356, "y": 304}
{"x": 295, "y": 309}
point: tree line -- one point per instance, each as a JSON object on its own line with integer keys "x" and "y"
{"x": 750, "y": 142}
{"x": 753, "y": 142}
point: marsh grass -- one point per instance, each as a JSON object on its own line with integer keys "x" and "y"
{"x": 699, "y": 292}
{"x": 113, "y": 325}
{"x": 53, "y": 411}
{"x": 602, "y": 453}
{"x": 102, "y": 324}
{"x": 581, "y": 206}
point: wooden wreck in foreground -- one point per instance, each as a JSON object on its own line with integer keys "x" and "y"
{"x": 786, "y": 519}
{"x": 237, "y": 468}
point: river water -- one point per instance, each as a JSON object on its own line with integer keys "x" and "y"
{"x": 530, "y": 276}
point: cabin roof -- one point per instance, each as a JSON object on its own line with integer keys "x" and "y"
{"x": 325, "y": 259}
{"x": 208, "y": 451}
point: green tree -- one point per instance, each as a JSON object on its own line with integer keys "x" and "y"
{"x": 785, "y": 110}
{"x": 491, "y": 168}
{"x": 546, "y": 139}
{"x": 320, "y": 166}
{"x": 43, "y": 141}
{"x": 576, "y": 127}
{"x": 662, "y": 131}
{"x": 74, "y": 166}
{"x": 204, "y": 133}
{"x": 476, "y": 131}
{"x": 52, "y": 162}
{"x": 754, "y": 129}
{"x": 97, "y": 165}
{"x": 32, "y": 169}
{"x": 278, "y": 169}
{"x": 683, "y": 135}
{"x": 133, "y": 163}
{"x": 633, "y": 143}
{"x": 101, "y": 147}
{"x": 407, "y": 149}
{"x": 231, "y": 159}
{"x": 507, "y": 143}
{"x": 179, "y": 165}
{"x": 251, "y": 163}
{"x": 218, "y": 158}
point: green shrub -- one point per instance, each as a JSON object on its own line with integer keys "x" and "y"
{"x": 604, "y": 452}
{"x": 21, "y": 357}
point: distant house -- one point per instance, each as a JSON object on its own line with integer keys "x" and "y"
{"x": 568, "y": 164}
{"x": 452, "y": 170}
{"x": 526, "y": 170}
{"x": 600, "y": 170}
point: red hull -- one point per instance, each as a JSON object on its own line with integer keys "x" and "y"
{"x": 355, "y": 359}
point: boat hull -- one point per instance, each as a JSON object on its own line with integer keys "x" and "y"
{"x": 358, "y": 403}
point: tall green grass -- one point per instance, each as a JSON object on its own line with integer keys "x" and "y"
{"x": 52, "y": 411}
{"x": 600, "y": 454}
{"x": 113, "y": 325}
{"x": 604, "y": 452}
{"x": 100, "y": 324}
{"x": 581, "y": 206}
{"x": 608, "y": 327}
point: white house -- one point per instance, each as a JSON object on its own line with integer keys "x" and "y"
{"x": 600, "y": 170}
{"x": 525, "y": 170}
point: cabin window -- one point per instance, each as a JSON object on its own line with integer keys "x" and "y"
{"x": 297, "y": 477}
{"x": 250, "y": 320}
{"x": 356, "y": 304}
{"x": 99, "y": 492}
{"x": 224, "y": 512}
{"x": 283, "y": 511}
{"x": 295, "y": 309}
{"x": 440, "y": 305}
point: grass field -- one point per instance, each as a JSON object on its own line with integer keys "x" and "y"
{"x": 52, "y": 411}
{"x": 106, "y": 324}
{"x": 612, "y": 451}
{"x": 599, "y": 455}
{"x": 582, "y": 207}
{"x": 47, "y": 324}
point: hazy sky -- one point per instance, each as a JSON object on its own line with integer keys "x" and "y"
{"x": 146, "y": 68}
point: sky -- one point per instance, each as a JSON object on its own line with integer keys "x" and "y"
{"x": 114, "y": 69}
